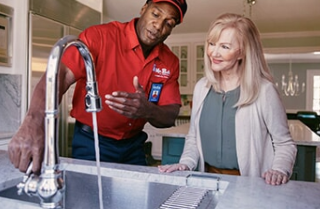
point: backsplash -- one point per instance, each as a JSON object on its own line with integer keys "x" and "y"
{"x": 10, "y": 102}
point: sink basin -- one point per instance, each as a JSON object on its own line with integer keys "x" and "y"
{"x": 120, "y": 192}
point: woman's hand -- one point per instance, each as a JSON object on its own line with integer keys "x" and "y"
{"x": 173, "y": 167}
{"x": 274, "y": 177}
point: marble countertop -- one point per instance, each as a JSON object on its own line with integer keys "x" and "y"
{"x": 238, "y": 191}
{"x": 300, "y": 133}
{"x": 6, "y": 135}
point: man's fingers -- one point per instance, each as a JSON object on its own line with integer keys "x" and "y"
{"x": 36, "y": 167}
{"x": 136, "y": 84}
{"x": 15, "y": 159}
{"x": 24, "y": 163}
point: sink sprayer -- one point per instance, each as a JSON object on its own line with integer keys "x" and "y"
{"x": 49, "y": 185}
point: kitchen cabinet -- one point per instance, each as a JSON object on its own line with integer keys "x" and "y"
{"x": 199, "y": 63}
{"x": 172, "y": 149}
{"x": 191, "y": 64}
{"x": 304, "y": 167}
{"x": 182, "y": 51}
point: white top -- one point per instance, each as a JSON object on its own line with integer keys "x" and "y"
{"x": 263, "y": 139}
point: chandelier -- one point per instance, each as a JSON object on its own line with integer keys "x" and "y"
{"x": 249, "y": 3}
{"x": 291, "y": 86}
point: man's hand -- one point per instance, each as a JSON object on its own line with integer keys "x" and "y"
{"x": 136, "y": 105}
{"x": 274, "y": 177}
{"x": 27, "y": 145}
{"x": 131, "y": 105}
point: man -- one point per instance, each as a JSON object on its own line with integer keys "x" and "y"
{"x": 131, "y": 63}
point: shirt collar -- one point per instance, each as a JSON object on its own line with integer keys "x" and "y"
{"x": 131, "y": 34}
{"x": 133, "y": 41}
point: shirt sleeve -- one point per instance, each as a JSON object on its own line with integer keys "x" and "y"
{"x": 72, "y": 57}
{"x": 171, "y": 92}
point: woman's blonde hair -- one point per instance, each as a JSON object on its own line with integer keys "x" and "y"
{"x": 252, "y": 66}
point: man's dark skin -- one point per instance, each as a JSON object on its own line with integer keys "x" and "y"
{"x": 154, "y": 26}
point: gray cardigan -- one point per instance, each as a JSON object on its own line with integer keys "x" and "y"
{"x": 263, "y": 140}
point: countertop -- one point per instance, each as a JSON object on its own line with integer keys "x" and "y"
{"x": 6, "y": 135}
{"x": 239, "y": 192}
{"x": 300, "y": 133}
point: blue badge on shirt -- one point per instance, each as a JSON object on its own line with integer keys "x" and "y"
{"x": 155, "y": 91}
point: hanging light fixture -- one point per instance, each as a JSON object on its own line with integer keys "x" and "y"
{"x": 291, "y": 86}
{"x": 250, "y": 3}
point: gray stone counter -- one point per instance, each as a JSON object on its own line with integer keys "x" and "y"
{"x": 301, "y": 134}
{"x": 236, "y": 191}
{"x": 10, "y": 103}
{"x": 6, "y": 135}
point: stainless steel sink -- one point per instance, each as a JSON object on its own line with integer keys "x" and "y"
{"x": 121, "y": 193}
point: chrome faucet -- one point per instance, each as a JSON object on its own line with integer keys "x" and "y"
{"x": 49, "y": 185}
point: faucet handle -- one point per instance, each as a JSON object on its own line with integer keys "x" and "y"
{"x": 25, "y": 178}
{"x": 92, "y": 99}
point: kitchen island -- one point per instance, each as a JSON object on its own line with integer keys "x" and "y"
{"x": 306, "y": 140}
{"x": 235, "y": 191}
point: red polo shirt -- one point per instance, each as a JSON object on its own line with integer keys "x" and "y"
{"x": 118, "y": 57}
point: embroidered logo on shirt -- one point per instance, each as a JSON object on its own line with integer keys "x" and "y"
{"x": 161, "y": 72}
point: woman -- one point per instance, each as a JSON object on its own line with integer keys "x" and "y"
{"x": 238, "y": 123}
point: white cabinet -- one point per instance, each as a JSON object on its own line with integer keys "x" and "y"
{"x": 190, "y": 51}
{"x": 182, "y": 51}
{"x": 199, "y": 62}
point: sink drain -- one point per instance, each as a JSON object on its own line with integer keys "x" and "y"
{"x": 185, "y": 198}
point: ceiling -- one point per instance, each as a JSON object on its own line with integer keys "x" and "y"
{"x": 281, "y": 21}
{"x": 270, "y": 16}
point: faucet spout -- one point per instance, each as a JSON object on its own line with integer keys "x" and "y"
{"x": 92, "y": 100}
{"x": 50, "y": 185}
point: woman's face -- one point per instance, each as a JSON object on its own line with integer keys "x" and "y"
{"x": 225, "y": 53}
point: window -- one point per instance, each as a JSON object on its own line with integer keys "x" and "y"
{"x": 316, "y": 94}
{"x": 313, "y": 90}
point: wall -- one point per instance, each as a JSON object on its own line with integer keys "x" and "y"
{"x": 14, "y": 78}
{"x": 10, "y": 102}
{"x": 278, "y": 63}
{"x": 291, "y": 103}
{"x": 300, "y": 69}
